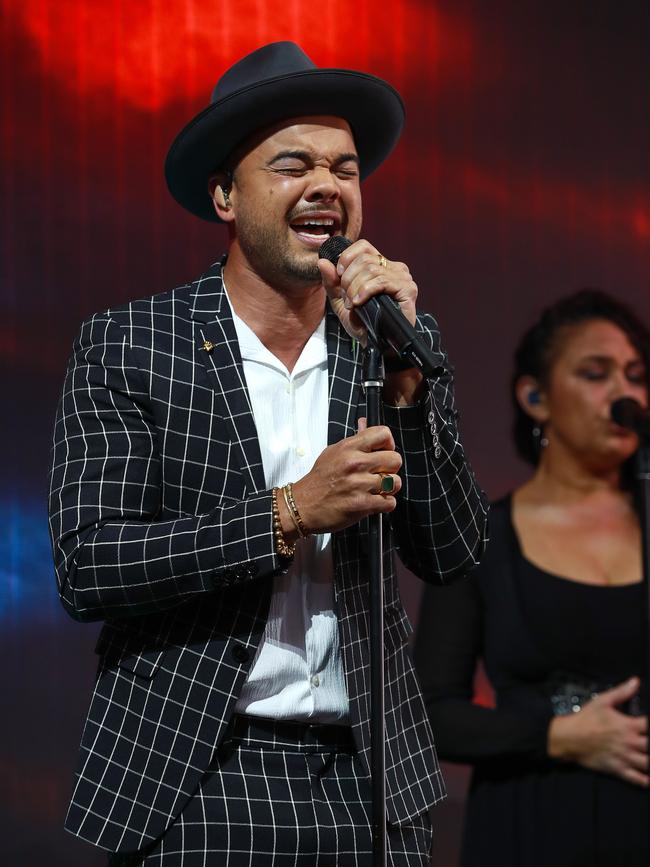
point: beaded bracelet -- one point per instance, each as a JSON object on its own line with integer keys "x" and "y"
{"x": 281, "y": 546}
{"x": 295, "y": 515}
{"x": 291, "y": 515}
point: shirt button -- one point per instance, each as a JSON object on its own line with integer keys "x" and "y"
{"x": 240, "y": 653}
{"x": 300, "y": 452}
{"x": 315, "y": 680}
{"x": 287, "y": 388}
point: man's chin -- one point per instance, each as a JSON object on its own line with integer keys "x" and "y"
{"x": 303, "y": 268}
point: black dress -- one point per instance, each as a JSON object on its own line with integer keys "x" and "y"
{"x": 542, "y": 638}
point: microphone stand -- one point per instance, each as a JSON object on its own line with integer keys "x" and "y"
{"x": 642, "y": 474}
{"x": 373, "y": 382}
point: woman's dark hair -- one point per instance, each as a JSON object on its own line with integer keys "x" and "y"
{"x": 538, "y": 348}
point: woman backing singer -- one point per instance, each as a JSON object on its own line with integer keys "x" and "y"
{"x": 556, "y": 612}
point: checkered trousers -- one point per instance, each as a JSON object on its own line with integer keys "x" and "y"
{"x": 284, "y": 795}
{"x": 162, "y": 527}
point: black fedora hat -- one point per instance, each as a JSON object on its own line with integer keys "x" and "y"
{"x": 275, "y": 82}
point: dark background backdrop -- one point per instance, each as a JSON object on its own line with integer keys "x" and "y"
{"x": 521, "y": 177}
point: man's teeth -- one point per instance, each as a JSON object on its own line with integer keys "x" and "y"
{"x": 312, "y": 226}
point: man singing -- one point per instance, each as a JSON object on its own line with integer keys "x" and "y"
{"x": 211, "y": 473}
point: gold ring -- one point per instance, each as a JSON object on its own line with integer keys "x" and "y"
{"x": 386, "y": 483}
{"x": 383, "y": 261}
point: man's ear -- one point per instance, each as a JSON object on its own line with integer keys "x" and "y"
{"x": 531, "y": 398}
{"x": 219, "y": 187}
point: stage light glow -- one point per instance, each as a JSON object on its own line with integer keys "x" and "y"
{"x": 153, "y": 53}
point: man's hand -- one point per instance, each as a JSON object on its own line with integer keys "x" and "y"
{"x": 602, "y": 738}
{"x": 343, "y": 485}
{"x": 358, "y": 276}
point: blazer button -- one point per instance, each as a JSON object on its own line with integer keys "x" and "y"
{"x": 241, "y": 573}
{"x": 240, "y": 653}
{"x": 221, "y": 578}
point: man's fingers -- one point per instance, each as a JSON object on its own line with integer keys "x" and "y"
{"x": 384, "y": 505}
{"x": 367, "y": 263}
{"x": 374, "y": 438}
{"x": 384, "y": 483}
{"x": 330, "y": 278}
{"x": 360, "y": 249}
{"x": 367, "y": 285}
{"x": 333, "y": 288}
{"x": 345, "y": 483}
{"x": 374, "y": 463}
{"x": 383, "y": 461}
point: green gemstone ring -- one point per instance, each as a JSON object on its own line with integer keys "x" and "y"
{"x": 386, "y": 483}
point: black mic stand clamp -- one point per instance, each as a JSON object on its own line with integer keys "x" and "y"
{"x": 373, "y": 382}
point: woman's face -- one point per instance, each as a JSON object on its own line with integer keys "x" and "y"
{"x": 594, "y": 364}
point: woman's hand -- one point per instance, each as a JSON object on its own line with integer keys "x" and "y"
{"x": 601, "y": 738}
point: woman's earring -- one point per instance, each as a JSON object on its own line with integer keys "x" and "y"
{"x": 538, "y": 437}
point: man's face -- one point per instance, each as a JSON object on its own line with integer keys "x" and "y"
{"x": 296, "y": 185}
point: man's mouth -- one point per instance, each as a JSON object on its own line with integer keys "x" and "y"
{"x": 313, "y": 230}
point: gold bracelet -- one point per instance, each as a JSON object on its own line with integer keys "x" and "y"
{"x": 281, "y": 546}
{"x": 291, "y": 515}
{"x": 293, "y": 511}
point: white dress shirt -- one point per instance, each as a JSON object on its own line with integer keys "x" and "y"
{"x": 297, "y": 673}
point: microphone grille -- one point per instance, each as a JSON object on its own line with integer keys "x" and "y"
{"x": 333, "y": 247}
{"x": 625, "y": 411}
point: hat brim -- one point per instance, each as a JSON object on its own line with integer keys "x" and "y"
{"x": 371, "y": 106}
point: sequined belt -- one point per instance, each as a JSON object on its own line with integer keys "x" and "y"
{"x": 569, "y": 693}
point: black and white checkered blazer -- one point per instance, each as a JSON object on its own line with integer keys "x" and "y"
{"x": 161, "y": 527}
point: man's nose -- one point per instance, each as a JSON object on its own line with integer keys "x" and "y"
{"x": 323, "y": 186}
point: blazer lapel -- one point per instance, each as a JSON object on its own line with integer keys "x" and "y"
{"x": 344, "y": 380}
{"x": 218, "y": 349}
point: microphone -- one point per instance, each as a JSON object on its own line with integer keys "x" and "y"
{"x": 385, "y": 322}
{"x": 628, "y": 412}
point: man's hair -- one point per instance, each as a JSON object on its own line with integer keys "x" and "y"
{"x": 538, "y": 349}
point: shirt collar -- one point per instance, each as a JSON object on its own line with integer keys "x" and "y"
{"x": 314, "y": 353}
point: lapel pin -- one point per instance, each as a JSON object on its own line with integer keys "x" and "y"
{"x": 208, "y": 345}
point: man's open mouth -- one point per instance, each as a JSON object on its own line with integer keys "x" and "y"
{"x": 314, "y": 229}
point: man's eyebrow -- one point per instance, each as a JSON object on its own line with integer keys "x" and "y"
{"x": 304, "y": 156}
{"x": 307, "y": 157}
{"x": 347, "y": 158}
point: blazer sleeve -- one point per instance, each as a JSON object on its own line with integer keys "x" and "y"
{"x": 440, "y": 523}
{"x": 447, "y": 651}
{"x": 114, "y": 555}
